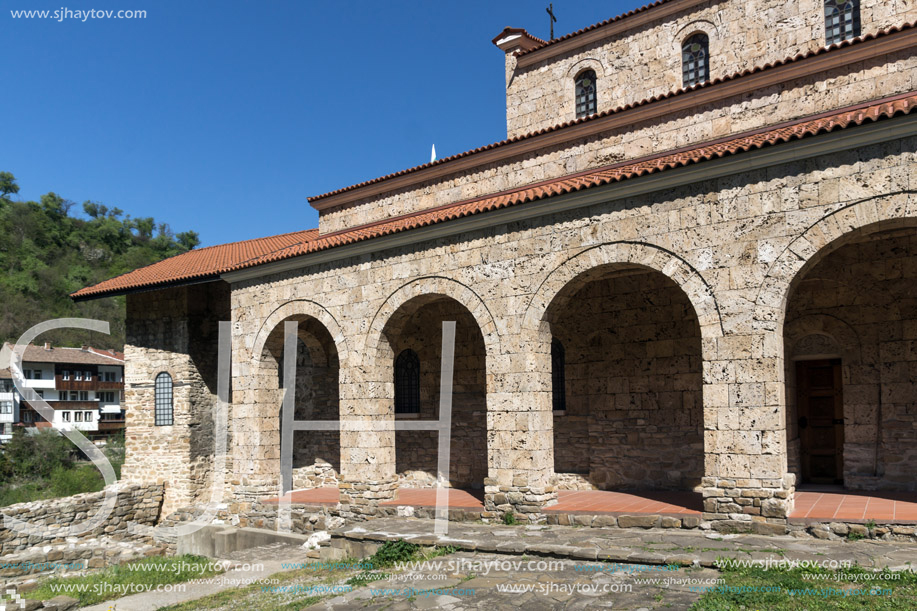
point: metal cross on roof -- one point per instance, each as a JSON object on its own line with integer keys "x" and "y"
{"x": 553, "y": 20}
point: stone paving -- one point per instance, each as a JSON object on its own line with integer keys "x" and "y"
{"x": 652, "y": 546}
{"x": 470, "y": 580}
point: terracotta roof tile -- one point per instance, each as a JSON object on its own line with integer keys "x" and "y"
{"x": 197, "y": 264}
{"x": 624, "y": 108}
{"x": 595, "y": 26}
{"x": 186, "y": 266}
{"x": 57, "y": 354}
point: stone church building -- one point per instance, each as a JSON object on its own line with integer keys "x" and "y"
{"x": 690, "y": 266}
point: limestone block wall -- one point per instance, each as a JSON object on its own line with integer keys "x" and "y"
{"x": 733, "y": 245}
{"x": 766, "y": 106}
{"x": 139, "y": 504}
{"x": 859, "y": 304}
{"x": 173, "y": 331}
{"x": 646, "y": 61}
{"x": 634, "y": 414}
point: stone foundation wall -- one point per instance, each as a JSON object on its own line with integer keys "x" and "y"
{"x": 135, "y": 503}
{"x": 859, "y": 304}
{"x": 634, "y": 416}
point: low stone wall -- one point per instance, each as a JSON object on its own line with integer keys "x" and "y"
{"x": 135, "y": 503}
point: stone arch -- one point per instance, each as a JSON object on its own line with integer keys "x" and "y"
{"x": 411, "y": 318}
{"x": 300, "y": 308}
{"x": 628, "y": 366}
{"x": 832, "y": 231}
{"x": 840, "y": 335}
{"x": 638, "y": 255}
{"x": 425, "y": 287}
{"x": 324, "y": 352}
{"x": 586, "y": 63}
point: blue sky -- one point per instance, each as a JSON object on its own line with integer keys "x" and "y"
{"x": 222, "y": 117}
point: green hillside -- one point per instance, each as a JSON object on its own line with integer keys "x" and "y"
{"x": 48, "y": 252}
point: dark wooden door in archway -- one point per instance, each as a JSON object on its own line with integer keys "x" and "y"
{"x": 821, "y": 421}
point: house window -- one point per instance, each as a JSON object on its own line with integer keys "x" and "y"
{"x": 695, "y": 60}
{"x": 842, "y": 20}
{"x": 109, "y": 376}
{"x": 558, "y": 377}
{"x": 585, "y": 94}
{"x": 65, "y": 375}
{"x": 164, "y": 413}
{"x": 36, "y": 374}
{"x": 40, "y": 393}
{"x": 77, "y": 416}
{"x": 107, "y": 397}
{"x": 79, "y": 376}
{"x": 407, "y": 383}
{"x": 87, "y": 416}
{"x": 84, "y": 395}
{"x": 6, "y": 407}
{"x": 65, "y": 416}
{"x": 74, "y": 395}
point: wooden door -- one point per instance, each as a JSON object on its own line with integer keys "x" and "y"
{"x": 821, "y": 421}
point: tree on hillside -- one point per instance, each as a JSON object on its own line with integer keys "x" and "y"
{"x": 46, "y": 254}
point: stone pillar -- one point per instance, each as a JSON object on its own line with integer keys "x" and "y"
{"x": 746, "y": 486}
{"x": 368, "y": 474}
{"x": 520, "y": 426}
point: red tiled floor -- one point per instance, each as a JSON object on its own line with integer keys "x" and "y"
{"x": 426, "y": 497}
{"x": 329, "y": 495}
{"x": 835, "y": 503}
{"x": 606, "y": 502}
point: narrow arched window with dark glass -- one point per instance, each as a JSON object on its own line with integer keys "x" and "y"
{"x": 407, "y": 383}
{"x": 842, "y": 20}
{"x": 585, "y": 94}
{"x": 558, "y": 377}
{"x": 695, "y": 60}
{"x": 164, "y": 412}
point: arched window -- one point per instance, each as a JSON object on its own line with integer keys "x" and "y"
{"x": 842, "y": 20}
{"x": 407, "y": 383}
{"x": 695, "y": 60}
{"x": 585, "y": 94}
{"x": 163, "y": 413}
{"x": 558, "y": 377}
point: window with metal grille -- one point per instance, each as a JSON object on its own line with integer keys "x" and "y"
{"x": 842, "y": 20}
{"x": 558, "y": 377}
{"x": 695, "y": 60}
{"x": 163, "y": 414}
{"x": 585, "y": 94}
{"x": 407, "y": 383}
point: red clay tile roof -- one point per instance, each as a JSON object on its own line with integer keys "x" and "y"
{"x": 597, "y": 25}
{"x": 197, "y": 264}
{"x": 626, "y": 107}
{"x": 76, "y": 356}
{"x": 802, "y": 128}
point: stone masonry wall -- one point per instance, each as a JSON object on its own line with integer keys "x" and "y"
{"x": 173, "y": 331}
{"x": 634, "y": 417}
{"x": 135, "y": 503}
{"x": 860, "y": 304}
{"x": 645, "y": 62}
{"x": 732, "y": 244}
{"x": 861, "y": 82}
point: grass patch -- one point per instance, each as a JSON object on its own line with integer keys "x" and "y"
{"x": 132, "y": 577}
{"x": 509, "y": 519}
{"x": 811, "y": 589}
